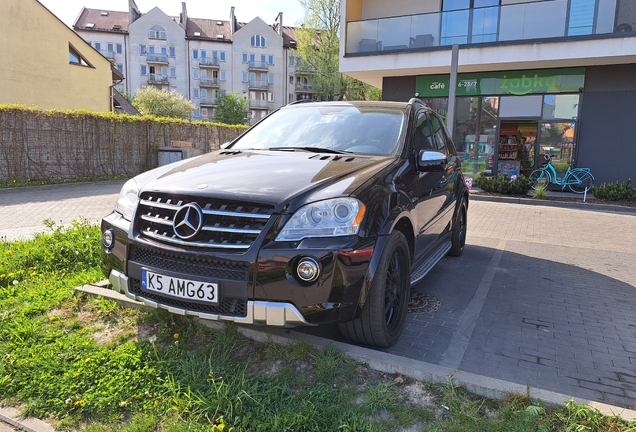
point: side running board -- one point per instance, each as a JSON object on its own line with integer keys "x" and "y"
{"x": 419, "y": 273}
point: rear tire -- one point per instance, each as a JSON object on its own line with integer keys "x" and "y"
{"x": 539, "y": 178}
{"x": 383, "y": 315}
{"x": 585, "y": 181}
{"x": 458, "y": 234}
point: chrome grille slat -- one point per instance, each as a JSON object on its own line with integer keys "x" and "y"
{"x": 226, "y": 225}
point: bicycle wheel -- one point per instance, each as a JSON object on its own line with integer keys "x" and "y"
{"x": 579, "y": 181}
{"x": 539, "y": 178}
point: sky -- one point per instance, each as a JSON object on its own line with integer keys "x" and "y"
{"x": 244, "y": 10}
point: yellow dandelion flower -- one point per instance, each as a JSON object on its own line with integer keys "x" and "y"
{"x": 176, "y": 335}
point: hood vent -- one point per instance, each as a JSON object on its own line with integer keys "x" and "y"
{"x": 334, "y": 158}
{"x": 230, "y": 152}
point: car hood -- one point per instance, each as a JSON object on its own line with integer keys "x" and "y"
{"x": 277, "y": 178}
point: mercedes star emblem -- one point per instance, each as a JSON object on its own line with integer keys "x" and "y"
{"x": 188, "y": 221}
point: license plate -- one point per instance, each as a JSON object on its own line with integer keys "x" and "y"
{"x": 207, "y": 292}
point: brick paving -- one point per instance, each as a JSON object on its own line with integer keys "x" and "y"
{"x": 543, "y": 295}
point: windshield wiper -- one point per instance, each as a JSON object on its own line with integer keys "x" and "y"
{"x": 310, "y": 149}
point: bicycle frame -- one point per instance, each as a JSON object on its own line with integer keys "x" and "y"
{"x": 571, "y": 176}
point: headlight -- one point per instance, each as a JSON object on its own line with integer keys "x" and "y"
{"x": 329, "y": 218}
{"x": 127, "y": 201}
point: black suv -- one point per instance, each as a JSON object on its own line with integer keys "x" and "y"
{"x": 322, "y": 212}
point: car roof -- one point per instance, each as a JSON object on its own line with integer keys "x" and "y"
{"x": 374, "y": 104}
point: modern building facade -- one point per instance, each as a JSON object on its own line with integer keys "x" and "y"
{"x": 198, "y": 57}
{"x": 47, "y": 64}
{"x": 534, "y": 76}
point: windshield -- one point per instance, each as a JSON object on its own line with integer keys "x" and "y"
{"x": 334, "y": 128}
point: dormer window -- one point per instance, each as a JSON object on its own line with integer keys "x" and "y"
{"x": 157, "y": 32}
{"x": 257, "y": 41}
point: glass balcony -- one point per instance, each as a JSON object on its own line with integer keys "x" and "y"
{"x": 260, "y": 65}
{"x": 208, "y": 101}
{"x": 258, "y": 104}
{"x": 259, "y": 85}
{"x": 209, "y": 82}
{"x": 524, "y": 21}
{"x": 209, "y": 62}
{"x": 157, "y": 58}
{"x": 158, "y": 79}
{"x": 305, "y": 88}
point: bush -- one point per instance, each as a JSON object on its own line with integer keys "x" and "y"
{"x": 615, "y": 191}
{"x": 503, "y": 184}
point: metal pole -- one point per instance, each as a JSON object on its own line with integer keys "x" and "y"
{"x": 452, "y": 91}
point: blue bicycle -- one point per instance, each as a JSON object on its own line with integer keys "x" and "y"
{"x": 578, "y": 180}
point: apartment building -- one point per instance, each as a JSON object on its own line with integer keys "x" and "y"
{"x": 47, "y": 64}
{"x": 534, "y": 76}
{"x": 200, "y": 58}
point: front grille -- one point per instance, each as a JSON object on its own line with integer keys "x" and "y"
{"x": 228, "y": 226}
{"x": 190, "y": 265}
{"x": 228, "y": 306}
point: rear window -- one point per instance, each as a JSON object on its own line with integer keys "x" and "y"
{"x": 346, "y": 128}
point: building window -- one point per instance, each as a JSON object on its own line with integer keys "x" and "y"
{"x": 270, "y": 97}
{"x": 222, "y": 76}
{"x": 204, "y": 54}
{"x": 120, "y": 68}
{"x": 196, "y": 113}
{"x": 173, "y": 72}
{"x": 204, "y": 112}
{"x": 164, "y": 52}
{"x": 469, "y": 21}
{"x": 144, "y": 70}
{"x": 172, "y": 52}
{"x": 195, "y": 93}
{"x": 291, "y": 61}
{"x": 222, "y": 56}
{"x": 244, "y": 58}
{"x": 142, "y": 49}
{"x": 119, "y": 48}
{"x": 111, "y": 47}
{"x": 195, "y": 73}
{"x": 156, "y": 32}
{"x": 98, "y": 46}
{"x": 581, "y": 17}
{"x": 257, "y": 41}
{"x": 74, "y": 57}
{"x": 195, "y": 54}
{"x": 244, "y": 77}
{"x": 291, "y": 79}
{"x": 270, "y": 78}
{"x": 270, "y": 59}
{"x": 204, "y": 93}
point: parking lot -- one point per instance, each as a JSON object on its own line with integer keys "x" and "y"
{"x": 543, "y": 295}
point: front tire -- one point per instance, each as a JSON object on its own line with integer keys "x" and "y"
{"x": 539, "y": 178}
{"x": 382, "y": 318}
{"x": 585, "y": 182}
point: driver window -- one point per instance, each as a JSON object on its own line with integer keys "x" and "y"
{"x": 439, "y": 136}
{"x": 423, "y": 137}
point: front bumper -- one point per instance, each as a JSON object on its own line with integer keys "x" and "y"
{"x": 258, "y": 312}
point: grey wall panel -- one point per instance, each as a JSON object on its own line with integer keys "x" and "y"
{"x": 399, "y": 89}
{"x": 610, "y": 78}
{"x": 607, "y": 135}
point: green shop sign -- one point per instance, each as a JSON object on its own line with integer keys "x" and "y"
{"x": 516, "y": 83}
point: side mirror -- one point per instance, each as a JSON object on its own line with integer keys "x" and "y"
{"x": 428, "y": 161}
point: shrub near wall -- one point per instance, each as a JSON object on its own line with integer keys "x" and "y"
{"x": 45, "y": 145}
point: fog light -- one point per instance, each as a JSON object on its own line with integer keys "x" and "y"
{"x": 108, "y": 238}
{"x": 308, "y": 270}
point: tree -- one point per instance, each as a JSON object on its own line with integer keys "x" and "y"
{"x": 232, "y": 109}
{"x": 152, "y": 101}
{"x": 318, "y": 44}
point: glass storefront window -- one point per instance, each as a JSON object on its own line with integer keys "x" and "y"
{"x": 557, "y": 139}
{"x": 475, "y": 133}
{"x": 564, "y": 106}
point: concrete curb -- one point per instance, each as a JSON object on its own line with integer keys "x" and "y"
{"x": 388, "y": 363}
{"x": 11, "y": 416}
{"x": 565, "y": 204}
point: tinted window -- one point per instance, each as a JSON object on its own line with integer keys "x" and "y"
{"x": 439, "y": 135}
{"x": 423, "y": 135}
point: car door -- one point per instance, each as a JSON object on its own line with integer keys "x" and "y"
{"x": 430, "y": 187}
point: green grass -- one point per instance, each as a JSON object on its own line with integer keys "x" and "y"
{"x": 88, "y": 364}
{"x": 21, "y": 182}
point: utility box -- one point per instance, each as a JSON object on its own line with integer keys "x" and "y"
{"x": 168, "y": 155}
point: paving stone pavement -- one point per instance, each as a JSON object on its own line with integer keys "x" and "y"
{"x": 24, "y": 210}
{"x": 543, "y": 295}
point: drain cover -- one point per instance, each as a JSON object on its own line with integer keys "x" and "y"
{"x": 422, "y": 302}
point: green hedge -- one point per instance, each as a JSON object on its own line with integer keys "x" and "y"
{"x": 615, "y": 191}
{"x": 503, "y": 184}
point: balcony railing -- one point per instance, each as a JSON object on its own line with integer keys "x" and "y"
{"x": 305, "y": 88}
{"x": 158, "y": 79}
{"x": 209, "y": 101}
{"x": 157, "y": 58}
{"x": 524, "y": 21}
{"x": 258, "y": 104}
{"x": 209, "y": 62}
{"x": 260, "y": 65}
{"x": 108, "y": 54}
{"x": 209, "y": 82}
{"x": 259, "y": 85}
